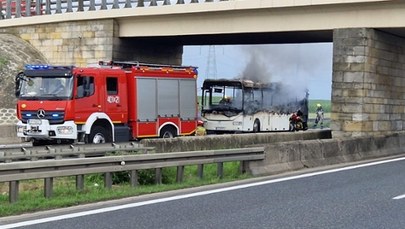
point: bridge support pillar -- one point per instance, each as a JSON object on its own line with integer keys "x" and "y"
{"x": 368, "y": 83}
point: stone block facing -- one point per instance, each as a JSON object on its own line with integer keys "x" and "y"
{"x": 82, "y": 43}
{"x": 368, "y": 83}
{"x": 71, "y": 43}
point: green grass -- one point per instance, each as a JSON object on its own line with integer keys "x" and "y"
{"x": 65, "y": 193}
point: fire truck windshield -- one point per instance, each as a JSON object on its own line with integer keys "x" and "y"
{"x": 46, "y": 88}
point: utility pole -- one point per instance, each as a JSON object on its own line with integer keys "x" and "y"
{"x": 211, "y": 71}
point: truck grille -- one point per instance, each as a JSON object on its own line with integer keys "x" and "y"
{"x": 54, "y": 117}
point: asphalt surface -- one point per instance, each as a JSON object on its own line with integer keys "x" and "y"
{"x": 361, "y": 197}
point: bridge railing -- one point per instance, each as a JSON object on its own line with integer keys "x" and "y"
{"x": 10, "y": 9}
{"x": 49, "y": 169}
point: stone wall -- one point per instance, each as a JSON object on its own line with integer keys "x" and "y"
{"x": 14, "y": 54}
{"x": 70, "y": 43}
{"x": 368, "y": 84}
{"x": 86, "y": 42}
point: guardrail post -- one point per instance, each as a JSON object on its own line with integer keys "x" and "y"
{"x": 13, "y": 188}
{"x": 92, "y": 6}
{"x": 158, "y": 175}
{"x": 58, "y": 7}
{"x": 17, "y": 12}
{"x": 153, "y": 3}
{"x": 200, "y": 171}
{"x": 28, "y": 8}
{"x": 8, "y": 9}
{"x": 48, "y": 187}
{"x": 80, "y": 6}
{"x": 180, "y": 174}
{"x": 108, "y": 180}
{"x": 220, "y": 170}
{"x": 242, "y": 167}
{"x": 38, "y": 7}
{"x": 70, "y": 9}
{"x": 103, "y": 5}
{"x": 79, "y": 182}
{"x": 140, "y": 3}
{"x": 180, "y": 2}
{"x": 134, "y": 178}
{"x": 128, "y": 4}
{"x": 47, "y": 6}
{"x": 194, "y": 1}
{"x": 166, "y": 2}
{"x": 115, "y": 4}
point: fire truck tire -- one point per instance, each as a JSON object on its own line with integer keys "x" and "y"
{"x": 168, "y": 132}
{"x": 256, "y": 126}
{"x": 98, "y": 135}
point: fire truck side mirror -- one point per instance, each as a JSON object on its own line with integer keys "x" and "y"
{"x": 18, "y": 80}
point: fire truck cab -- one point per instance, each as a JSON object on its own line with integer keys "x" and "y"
{"x": 111, "y": 102}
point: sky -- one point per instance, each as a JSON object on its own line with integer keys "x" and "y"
{"x": 300, "y": 66}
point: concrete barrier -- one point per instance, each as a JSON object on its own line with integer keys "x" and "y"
{"x": 8, "y": 135}
{"x": 228, "y": 141}
{"x": 288, "y": 156}
{"x": 285, "y": 151}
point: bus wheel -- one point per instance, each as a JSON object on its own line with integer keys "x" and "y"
{"x": 168, "y": 132}
{"x": 98, "y": 135}
{"x": 256, "y": 126}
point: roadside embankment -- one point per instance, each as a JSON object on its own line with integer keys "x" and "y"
{"x": 288, "y": 156}
{"x": 8, "y": 134}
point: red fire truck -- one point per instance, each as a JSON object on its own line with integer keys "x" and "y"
{"x": 110, "y": 102}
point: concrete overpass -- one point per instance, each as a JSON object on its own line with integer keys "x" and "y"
{"x": 254, "y": 21}
{"x": 368, "y": 95}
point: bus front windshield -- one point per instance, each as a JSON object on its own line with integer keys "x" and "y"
{"x": 46, "y": 88}
{"x": 222, "y": 98}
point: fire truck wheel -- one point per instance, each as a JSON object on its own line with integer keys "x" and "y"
{"x": 256, "y": 126}
{"x": 168, "y": 132}
{"x": 98, "y": 135}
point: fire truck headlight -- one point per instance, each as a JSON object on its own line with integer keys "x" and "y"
{"x": 237, "y": 123}
{"x": 20, "y": 129}
{"x": 65, "y": 130}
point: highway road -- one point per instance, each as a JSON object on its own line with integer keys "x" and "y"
{"x": 367, "y": 195}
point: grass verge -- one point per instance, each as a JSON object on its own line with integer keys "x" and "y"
{"x": 31, "y": 197}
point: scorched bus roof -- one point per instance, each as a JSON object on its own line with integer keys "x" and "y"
{"x": 237, "y": 82}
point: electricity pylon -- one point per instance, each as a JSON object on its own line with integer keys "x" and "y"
{"x": 211, "y": 71}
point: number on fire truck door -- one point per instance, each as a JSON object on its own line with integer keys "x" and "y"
{"x": 115, "y": 100}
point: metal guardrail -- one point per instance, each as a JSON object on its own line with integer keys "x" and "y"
{"x": 8, "y": 155}
{"x": 49, "y": 169}
{"x": 27, "y": 8}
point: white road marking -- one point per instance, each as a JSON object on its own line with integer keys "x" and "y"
{"x": 143, "y": 203}
{"x": 399, "y": 197}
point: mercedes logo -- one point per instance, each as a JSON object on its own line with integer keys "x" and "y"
{"x": 41, "y": 114}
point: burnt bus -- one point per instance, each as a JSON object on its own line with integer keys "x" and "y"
{"x": 237, "y": 105}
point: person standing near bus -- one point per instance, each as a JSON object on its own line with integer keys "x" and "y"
{"x": 200, "y": 131}
{"x": 319, "y": 116}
